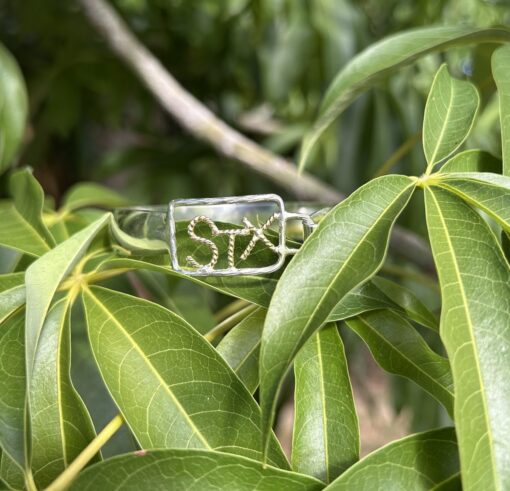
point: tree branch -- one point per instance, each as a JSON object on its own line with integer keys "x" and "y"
{"x": 203, "y": 124}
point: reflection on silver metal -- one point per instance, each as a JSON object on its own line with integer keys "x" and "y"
{"x": 257, "y": 231}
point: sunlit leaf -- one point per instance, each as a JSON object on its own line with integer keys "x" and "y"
{"x": 172, "y": 387}
{"x": 28, "y": 198}
{"x": 347, "y": 248}
{"x": 241, "y": 346}
{"x": 44, "y": 276}
{"x": 90, "y": 194}
{"x": 60, "y": 424}
{"x": 12, "y": 293}
{"x": 449, "y": 115}
{"x": 12, "y": 386}
{"x": 326, "y": 435}
{"x": 420, "y": 462}
{"x": 381, "y": 60}
{"x": 475, "y": 287}
{"x": 190, "y": 470}
{"x": 473, "y": 161}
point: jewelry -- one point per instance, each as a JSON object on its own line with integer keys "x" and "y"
{"x": 218, "y": 236}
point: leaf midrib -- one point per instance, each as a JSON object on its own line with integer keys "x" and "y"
{"x": 323, "y": 406}
{"x": 151, "y": 368}
{"x": 472, "y": 337}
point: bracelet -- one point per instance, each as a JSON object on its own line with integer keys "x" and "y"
{"x": 219, "y": 236}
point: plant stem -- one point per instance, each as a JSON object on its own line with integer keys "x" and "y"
{"x": 398, "y": 154}
{"x": 205, "y": 125}
{"x": 230, "y": 322}
{"x": 63, "y": 481}
{"x": 230, "y": 309}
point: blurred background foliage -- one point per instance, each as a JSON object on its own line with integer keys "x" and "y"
{"x": 263, "y": 67}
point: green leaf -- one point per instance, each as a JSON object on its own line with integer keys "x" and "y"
{"x": 190, "y": 470}
{"x": 475, "y": 287}
{"x": 399, "y": 349}
{"x": 60, "y": 424}
{"x": 449, "y": 115}
{"x": 13, "y": 108}
{"x": 362, "y": 299}
{"x": 240, "y": 348}
{"x": 348, "y": 246}
{"x": 16, "y": 233}
{"x": 326, "y": 435}
{"x": 501, "y": 72}
{"x": 473, "y": 161}
{"x": 11, "y": 473}
{"x": 12, "y": 293}
{"x": 408, "y": 303}
{"x": 423, "y": 461}
{"x": 172, "y": 387}
{"x": 488, "y": 192}
{"x": 12, "y": 387}
{"x": 28, "y": 197}
{"x": 90, "y": 194}
{"x": 44, "y": 276}
{"x": 384, "y": 58}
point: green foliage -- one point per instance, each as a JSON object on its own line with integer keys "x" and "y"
{"x": 13, "y": 108}
{"x": 199, "y": 382}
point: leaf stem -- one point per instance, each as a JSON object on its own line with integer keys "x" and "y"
{"x": 400, "y": 152}
{"x": 63, "y": 481}
{"x": 230, "y": 309}
{"x": 229, "y": 322}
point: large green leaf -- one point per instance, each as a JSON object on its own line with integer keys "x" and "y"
{"x": 473, "y": 161}
{"x": 409, "y": 303}
{"x": 348, "y": 246}
{"x": 12, "y": 386}
{"x": 172, "y": 387}
{"x": 28, "y": 197}
{"x": 326, "y": 435}
{"x": 449, "y": 115}
{"x": 12, "y": 293}
{"x": 488, "y": 192}
{"x": 381, "y": 60}
{"x": 60, "y": 424}
{"x": 13, "y": 108}
{"x": 240, "y": 348}
{"x": 475, "y": 287}
{"x": 11, "y": 473}
{"x": 190, "y": 470}
{"x": 399, "y": 349}
{"x": 423, "y": 461}
{"x": 501, "y": 71}
{"x": 44, "y": 276}
{"x": 18, "y": 234}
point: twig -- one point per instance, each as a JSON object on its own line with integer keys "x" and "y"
{"x": 63, "y": 481}
{"x": 203, "y": 124}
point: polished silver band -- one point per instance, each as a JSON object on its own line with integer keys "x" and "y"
{"x": 227, "y": 232}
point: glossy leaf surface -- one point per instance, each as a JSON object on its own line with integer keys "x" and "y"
{"x": 420, "y": 462}
{"x": 326, "y": 434}
{"x": 382, "y": 59}
{"x": 348, "y": 247}
{"x": 191, "y": 470}
{"x": 60, "y": 424}
{"x": 449, "y": 115}
{"x": 475, "y": 286}
{"x": 171, "y": 385}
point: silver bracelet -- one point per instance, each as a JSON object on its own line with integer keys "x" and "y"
{"x": 219, "y": 236}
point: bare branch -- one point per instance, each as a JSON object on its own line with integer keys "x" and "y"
{"x": 203, "y": 124}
